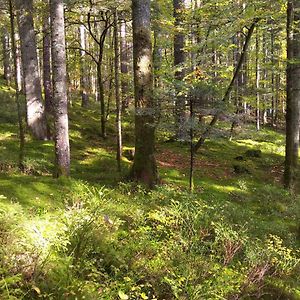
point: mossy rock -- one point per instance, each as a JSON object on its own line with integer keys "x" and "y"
{"x": 253, "y": 153}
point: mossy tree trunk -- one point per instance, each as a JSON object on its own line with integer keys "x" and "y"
{"x": 60, "y": 99}
{"x": 144, "y": 166}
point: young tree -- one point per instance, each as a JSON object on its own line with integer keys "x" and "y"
{"x": 60, "y": 99}
{"x": 36, "y": 119}
{"x": 144, "y": 167}
{"x": 293, "y": 93}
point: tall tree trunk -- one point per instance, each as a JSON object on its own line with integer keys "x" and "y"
{"x": 144, "y": 167}
{"x": 36, "y": 120}
{"x": 60, "y": 99}
{"x": 19, "y": 73}
{"x": 83, "y": 67}
{"x": 117, "y": 93}
{"x": 257, "y": 79}
{"x": 17, "y": 87}
{"x": 47, "y": 83}
{"x": 179, "y": 59}
{"x": 6, "y": 55}
{"x": 293, "y": 94}
{"x": 124, "y": 66}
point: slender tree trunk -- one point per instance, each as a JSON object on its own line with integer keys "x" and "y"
{"x": 17, "y": 88}
{"x": 257, "y": 80}
{"x": 36, "y": 119}
{"x": 47, "y": 82}
{"x": 124, "y": 66}
{"x": 144, "y": 167}
{"x": 60, "y": 99}
{"x": 19, "y": 73}
{"x": 274, "y": 108}
{"x": 101, "y": 99}
{"x": 117, "y": 93}
{"x": 6, "y": 55}
{"x": 208, "y": 130}
{"x": 293, "y": 94}
{"x": 179, "y": 59}
{"x": 83, "y": 68}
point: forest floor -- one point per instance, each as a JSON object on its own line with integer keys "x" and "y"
{"x": 96, "y": 236}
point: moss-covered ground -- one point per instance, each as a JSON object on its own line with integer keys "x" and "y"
{"x": 97, "y": 236}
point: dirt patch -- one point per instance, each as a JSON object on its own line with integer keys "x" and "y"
{"x": 169, "y": 159}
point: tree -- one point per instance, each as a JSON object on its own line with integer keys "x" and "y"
{"x": 6, "y": 55}
{"x": 293, "y": 93}
{"x": 17, "y": 86}
{"x": 179, "y": 59}
{"x": 36, "y": 119}
{"x": 117, "y": 91}
{"x": 83, "y": 65}
{"x": 47, "y": 82}
{"x": 60, "y": 99}
{"x": 144, "y": 167}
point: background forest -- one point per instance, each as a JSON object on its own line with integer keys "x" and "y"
{"x": 149, "y": 149}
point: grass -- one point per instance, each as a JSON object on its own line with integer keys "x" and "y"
{"x": 96, "y": 236}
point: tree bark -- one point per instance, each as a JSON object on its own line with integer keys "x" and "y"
{"x": 179, "y": 59}
{"x": 17, "y": 87}
{"x": 124, "y": 66}
{"x": 144, "y": 167}
{"x": 293, "y": 94}
{"x": 60, "y": 99}
{"x": 84, "y": 84}
{"x": 47, "y": 83}
{"x": 36, "y": 119}
{"x": 6, "y": 55}
{"x": 117, "y": 92}
{"x": 257, "y": 79}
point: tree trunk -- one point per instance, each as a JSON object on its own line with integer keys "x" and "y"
{"x": 47, "y": 83}
{"x": 101, "y": 99}
{"x": 36, "y": 120}
{"x": 83, "y": 68}
{"x": 117, "y": 93}
{"x": 179, "y": 59}
{"x": 60, "y": 99}
{"x": 208, "y": 130}
{"x": 257, "y": 80}
{"x": 144, "y": 167}
{"x": 17, "y": 88}
{"x": 124, "y": 66}
{"x": 6, "y": 55}
{"x": 293, "y": 94}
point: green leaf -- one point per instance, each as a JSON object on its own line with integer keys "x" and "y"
{"x": 143, "y": 296}
{"x": 123, "y": 296}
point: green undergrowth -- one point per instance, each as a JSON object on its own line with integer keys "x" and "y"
{"x": 96, "y": 236}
